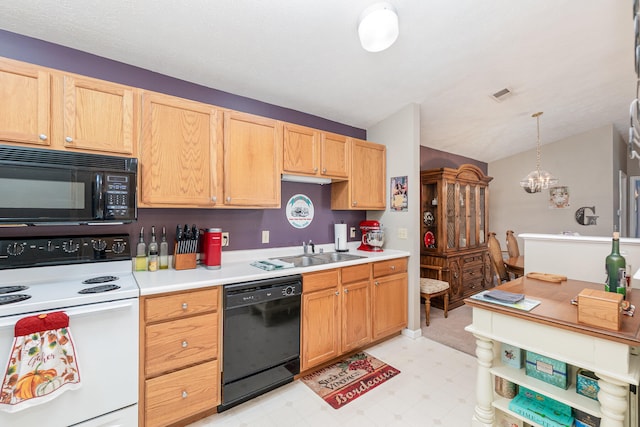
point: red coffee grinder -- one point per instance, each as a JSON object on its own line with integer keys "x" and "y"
{"x": 372, "y": 236}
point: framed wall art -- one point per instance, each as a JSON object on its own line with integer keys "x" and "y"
{"x": 399, "y": 195}
{"x": 559, "y": 197}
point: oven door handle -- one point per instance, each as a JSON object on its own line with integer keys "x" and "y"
{"x": 75, "y": 311}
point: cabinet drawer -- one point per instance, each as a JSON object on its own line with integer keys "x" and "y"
{"x": 178, "y": 395}
{"x": 178, "y": 343}
{"x": 355, "y": 273}
{"x": 472, "y": 259}
{"x": 180, "y": 305}
{"x": 392, "y": 266}
{"x": 471, "y": 272}
{"x": 321, "y": 280}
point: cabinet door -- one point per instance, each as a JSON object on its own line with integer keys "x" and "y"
{"x": 25, "y": 91}
{"x": 356, "y": 315}
{"x": 368, "y": 175}
{"x": 320, "y": 327}
{"x": 178, "y": 152}
{"x": 366, "y": 187}
{"x": 98, "y": 115}
{"x": 334, "y": 156}
{"x": 300, "y": 149}
{"x": 389, "y": 305}
{"x": 252, "y": 160}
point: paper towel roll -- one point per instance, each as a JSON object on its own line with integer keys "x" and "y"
{"x": 340, "y": 233}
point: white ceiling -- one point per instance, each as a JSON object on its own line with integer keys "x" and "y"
{"x": 571, "y": 59}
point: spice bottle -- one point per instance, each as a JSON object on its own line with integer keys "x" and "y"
{"x": 164, "y": 251}
{"x": 615, "y": 265}
{"x": 153, "y": 251}
{"x": 141, "y": 253}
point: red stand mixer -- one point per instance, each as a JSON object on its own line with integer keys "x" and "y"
{"x": 372, "y": 236}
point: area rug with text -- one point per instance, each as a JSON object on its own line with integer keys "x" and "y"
{"x": 349, "y": 379}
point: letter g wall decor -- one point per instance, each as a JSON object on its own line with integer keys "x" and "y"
{"x": 583, "y": 219}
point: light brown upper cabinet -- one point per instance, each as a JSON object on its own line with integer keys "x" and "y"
{"x": 63, "y": 111}
{"x": 178, "y": 152}
{"x": 97, "y": 115}
{"x": 366, "y": 188}
{"x": 252, "y": 161}
{"x": 310, "y": 152}
{"x": 25, "y": 113}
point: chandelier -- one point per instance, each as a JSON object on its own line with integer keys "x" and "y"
{"x": 538, "y": 179}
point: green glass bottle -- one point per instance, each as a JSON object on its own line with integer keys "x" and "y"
{"x": 614, "y": 262}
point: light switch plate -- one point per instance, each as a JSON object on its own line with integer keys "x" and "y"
{"x": 265, "y": 236}
{"x": 402, "y": 233}
{"x": 225, "y": 238}
{"x": 352, "y": 232}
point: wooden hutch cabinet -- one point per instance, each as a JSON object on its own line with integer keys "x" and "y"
{"x": 454, "y": 226}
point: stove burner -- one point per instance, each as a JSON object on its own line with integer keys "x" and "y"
{"x": 100, "y": 279}
{"x": 98, "y": 289}
{"x": 10, "y": 289}
{"x": 8, "y": 299}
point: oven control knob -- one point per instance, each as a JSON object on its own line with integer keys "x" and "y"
{"x": 99, "y": 245}
{"x": 50, "y": 246}
{"x": 15, "y": 249}
{"x": 118, "y": 247}
{"x": 70, "y": 246}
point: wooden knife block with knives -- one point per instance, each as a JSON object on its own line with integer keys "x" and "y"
{"x": 186, "y": 249}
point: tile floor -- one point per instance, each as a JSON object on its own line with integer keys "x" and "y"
{"x": 435, "y": 388}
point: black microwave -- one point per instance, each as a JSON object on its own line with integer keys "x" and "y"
{"x": 43, "y": 187}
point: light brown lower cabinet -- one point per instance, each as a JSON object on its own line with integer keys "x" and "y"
{"x": 347, "y": 308}
{"x": 179, "y": 356}
{"x": 389, "y": 295}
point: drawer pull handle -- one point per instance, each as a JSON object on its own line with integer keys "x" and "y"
{"x": 377, "y": 283}
{"x": 346, "y": 291}
{"x": 184, "y": 394}
{"x": 337, "y": 293}
{"x": 68, "y": 139}
{"x": 185, "y": 305}
{"x": 393, "y": 267}
{"x": 185, "y": 344}
{"x": 42, "y": 137}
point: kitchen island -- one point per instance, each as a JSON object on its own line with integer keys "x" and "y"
{"x": 551, "y": 329}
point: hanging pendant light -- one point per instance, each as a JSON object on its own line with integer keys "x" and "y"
{"x": 538, "y": 179}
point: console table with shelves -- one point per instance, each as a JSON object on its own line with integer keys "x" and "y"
{"x": 552, "y": 329}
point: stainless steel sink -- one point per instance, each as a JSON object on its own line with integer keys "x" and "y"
{"x": 302, "y": 260}
{"x": 308, "y": 260}
{"x": 336, "y": 256}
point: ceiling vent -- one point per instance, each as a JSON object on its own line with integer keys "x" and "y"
{"x": 501, "y": 95}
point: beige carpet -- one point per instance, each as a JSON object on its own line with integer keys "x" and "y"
{"x": 450, "y": 331}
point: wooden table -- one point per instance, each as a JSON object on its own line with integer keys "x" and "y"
{"x": 515, "y": 265}
{"x": 552, "y": 329}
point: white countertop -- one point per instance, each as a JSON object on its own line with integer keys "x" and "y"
{"x": 236, "y": 267}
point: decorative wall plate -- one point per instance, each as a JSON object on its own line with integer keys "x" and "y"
{"x": 429, "y": 239}
{"x": 428, "y": 218}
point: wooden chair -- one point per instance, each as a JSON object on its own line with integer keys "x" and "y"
{"x": 431, "y": 288}
{"x": 512, "y": 245}
{"x": 495, "y": 253}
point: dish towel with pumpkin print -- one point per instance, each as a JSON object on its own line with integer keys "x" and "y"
{"x": 42, "y": 363}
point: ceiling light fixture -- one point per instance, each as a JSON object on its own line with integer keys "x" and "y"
{"x": 538, "y": 180}
{"x": 378, "y": 27}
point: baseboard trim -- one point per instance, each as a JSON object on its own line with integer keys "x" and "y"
{"x": 413, "y": 334}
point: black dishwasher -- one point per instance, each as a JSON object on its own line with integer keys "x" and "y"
{"x": 261, "y": 337}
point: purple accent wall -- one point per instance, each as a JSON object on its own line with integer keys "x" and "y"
{"x": 51, "y": 55}
{"x": 244, "y": 225}
{"x": 431, "y": 158}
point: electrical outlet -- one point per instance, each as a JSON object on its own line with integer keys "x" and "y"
{"x": 265, "y": 236}
{"x": 352, "y": 232}
{"x": 402, "y": 233}
{"x": 225, "y": 238}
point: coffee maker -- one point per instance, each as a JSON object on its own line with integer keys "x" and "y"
{"x": 372, "y": 236}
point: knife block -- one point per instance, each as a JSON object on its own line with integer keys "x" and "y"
{"x": 184, "y": 261}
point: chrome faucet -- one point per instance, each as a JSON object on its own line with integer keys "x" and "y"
{"x": 305, "y": 247}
